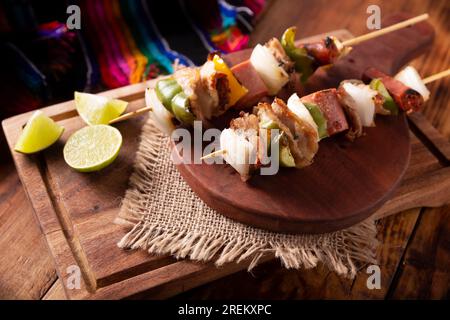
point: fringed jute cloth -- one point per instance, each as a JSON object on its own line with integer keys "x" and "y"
{"x": 167, "y": 217}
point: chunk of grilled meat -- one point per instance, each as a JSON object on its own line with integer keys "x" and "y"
{"x": 275, "y": 47}
{"x": 245, "y": 121}
{"x": 324, "y": 51}
{"x": 405, "y": 97}
{"x": 331, "y": 108}
{"x": 217, "y": 86}
{"x": 247, "y": 75}
{"x": 301, "y": 136}
{"x": 202, "y": 104}
{"x": 347, "y": 103}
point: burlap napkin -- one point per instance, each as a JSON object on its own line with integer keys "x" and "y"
{"x": 167, "y": 217}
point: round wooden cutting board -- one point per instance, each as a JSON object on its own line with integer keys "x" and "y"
{"x": 347, "y": 181}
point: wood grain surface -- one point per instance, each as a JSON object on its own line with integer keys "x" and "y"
{"x": 26, "y": 267}
{"x": 414, "y": 254}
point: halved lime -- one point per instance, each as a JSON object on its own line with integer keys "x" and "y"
{"x": 39, "y": 133}
{"x": 92, "y": 148}
{"x": 95, "y": 109}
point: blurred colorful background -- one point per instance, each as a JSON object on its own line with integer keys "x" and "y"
{"x": 120, "y": 42}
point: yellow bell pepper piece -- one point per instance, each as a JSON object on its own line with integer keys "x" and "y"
{"x": 237, "y": 91}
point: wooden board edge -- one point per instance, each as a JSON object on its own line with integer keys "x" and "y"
{"x": 127, "y": 93}
{"x": 55, "y": 292}
{"x": 189, "y": 274}
{"x": 429, "y": 190}
{"x": 31, "y": 173}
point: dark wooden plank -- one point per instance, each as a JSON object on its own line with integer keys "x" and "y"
{"x": 422, "y": 160}
{"x": 416, "y": 192}
{"x": 269, "y": 281}
{"x": 424, "y": 272}
{"x": 430, "y": 136}
{"x": 424, "y": 269}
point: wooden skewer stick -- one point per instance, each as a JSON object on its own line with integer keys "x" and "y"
{"x": 383, "y": 31}
{"x": 140, "y": 111}
{"x": 129, "y": 115}
{"x": 214, "y": 154}
{"x": 224, "y": 151}
{"x": 437, "y": 76}
{"x": 349, "y": 42}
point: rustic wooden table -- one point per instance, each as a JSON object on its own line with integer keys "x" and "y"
{"x": 414, "y": 253}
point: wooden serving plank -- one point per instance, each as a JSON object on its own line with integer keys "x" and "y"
{"x": 346, "y": 183}
{"x": 75, "y": 212}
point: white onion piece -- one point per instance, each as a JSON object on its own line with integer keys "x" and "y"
{"x": 411, "y": 78}
{"x": 298, "y": 108}
{"x": 161, "y": 116}
{"x": 239, "y": 151}
{"x": 268, "y": 69}
{"x": 364, "y": 103}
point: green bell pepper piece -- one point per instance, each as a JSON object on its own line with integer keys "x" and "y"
{"x": 286, "y": 158}
{"x": 166, "y": 89}
{"x": 166, "y": 82}
{"x": 304, "y": 63}
{"x": 268, "y": 124}
{"x": 318, "y": 118}
{"x": 284, "y": 152}
{"x": 389, "y": 103}
{"x": 180, "y": 108}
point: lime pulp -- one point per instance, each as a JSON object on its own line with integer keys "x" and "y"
{"x": 95, "y": 109}
{"x": 92, "y": 148}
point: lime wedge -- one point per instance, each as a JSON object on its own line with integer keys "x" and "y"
{"x": 92, "y": 148}
{"x": 94, "y": 109}
{"x": 39, "y": 133}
